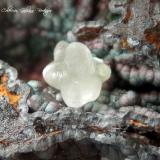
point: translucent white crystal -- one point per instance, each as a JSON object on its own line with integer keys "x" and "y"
{"x": 59, "y": 51}
{"x": 76, "y": 74}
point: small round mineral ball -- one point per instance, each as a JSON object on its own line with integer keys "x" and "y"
{"x": 52, "y": 107}
{"x": 36, "y": 85}
{"x": 34, "y": 102}
{"x": 59, "y": 97}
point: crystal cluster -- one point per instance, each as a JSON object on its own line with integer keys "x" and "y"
{"x": 76, "y": 74}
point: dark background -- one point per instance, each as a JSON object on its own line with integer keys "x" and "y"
{"x": 27, "y": 39}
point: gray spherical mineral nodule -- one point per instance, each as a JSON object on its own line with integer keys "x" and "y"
{"x": 76, "y": 73}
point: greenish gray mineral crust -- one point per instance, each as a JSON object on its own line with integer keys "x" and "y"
{"x": 40, "y": 126}
{"x": 119, "y": 122}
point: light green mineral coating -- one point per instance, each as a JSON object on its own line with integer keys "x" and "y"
{"x": 76, "y": 74}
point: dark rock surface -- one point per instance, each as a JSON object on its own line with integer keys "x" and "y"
{"x": 129, "y": 133}
{"x": 122, "y": 124}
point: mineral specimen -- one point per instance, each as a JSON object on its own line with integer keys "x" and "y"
{"x": 123, "y": 123}
{"x": 76, "y": 74}
{"x": 43, "y": 128}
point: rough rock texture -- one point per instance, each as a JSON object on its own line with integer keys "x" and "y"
{"x": 30, "y": 132}
{"x": 122, "y": 124}
{"x": 130, "y": 46}
{"x": 138, "y": 27}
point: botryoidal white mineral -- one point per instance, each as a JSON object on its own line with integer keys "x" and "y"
{"x": 76, "y": 73}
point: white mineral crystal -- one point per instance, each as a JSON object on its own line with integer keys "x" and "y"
{"x": 76, "y": 74}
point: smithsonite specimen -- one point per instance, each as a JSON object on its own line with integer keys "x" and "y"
{"x": 76, "y": 73}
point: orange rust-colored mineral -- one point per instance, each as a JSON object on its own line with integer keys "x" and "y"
{"x": 4, "y": 142}
{"x": 124, "y": 44}
{"x": 137, "y": 123}
{"x": 13, "y": 98}
{"x": 128, "y": 15}
{"x": 97, "y": 129}
{"x": 89, "y": 33}
{"x": 152, "y": 36}
{"x": 4, "y": 79}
